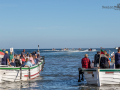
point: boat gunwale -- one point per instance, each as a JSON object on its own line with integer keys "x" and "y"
{"x": 18, "y": 68}
{"x": 109, "y": 70}
{"x": 89, "y": 70}
{"x": 101, "y": 70}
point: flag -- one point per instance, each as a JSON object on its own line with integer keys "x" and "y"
{"x": 102, "y": 53}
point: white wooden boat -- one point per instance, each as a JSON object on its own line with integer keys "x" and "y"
{"x": 14, "y": 74}
{"x": 102, "y": 76}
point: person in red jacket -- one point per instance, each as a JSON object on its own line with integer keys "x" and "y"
{"x": 85, "y": 62}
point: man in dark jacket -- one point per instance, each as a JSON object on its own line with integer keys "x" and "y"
{"x": 5, "y": 59}
{"x": 23, "y": 53}
{"x": 17, "y": 61}
{"x": 104, "y": 61}
{"x": 96, "y": 59}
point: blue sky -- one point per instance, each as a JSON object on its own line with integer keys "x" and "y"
{"x": 59, "y": 24}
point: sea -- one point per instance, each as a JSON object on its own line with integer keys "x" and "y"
{"x": 60, "y": 71}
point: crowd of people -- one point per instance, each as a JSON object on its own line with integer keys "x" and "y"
{"x": 24, "y": 60}
{"x": 102, "y": 61}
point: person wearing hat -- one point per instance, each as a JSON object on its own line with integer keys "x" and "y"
{"x": 96, "y": 59}
{"x": 5, "y": 59}
{"x": 85, "y": 62}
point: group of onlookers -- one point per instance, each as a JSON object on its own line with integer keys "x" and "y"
{"x": 24, "y": 60}
{"x": 102, "y": 61}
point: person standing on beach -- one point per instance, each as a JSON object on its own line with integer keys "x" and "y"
{"x": 5, "y": 59}
{"x": 85, "y": 62}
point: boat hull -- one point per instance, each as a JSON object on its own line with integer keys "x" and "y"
{"x": 14, "y": 74}
{"x": 102, "y": 76}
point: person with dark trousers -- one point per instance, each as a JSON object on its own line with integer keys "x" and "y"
{"x": 85, "y": 64}
{"x": 96, "y": 59}
{"x": 17, "y": 61}
{"x": 23, "y": 53}
{"x": 104, "y": 61}
{"x": 5, "y": 59}
{"x": 117, "y": 59}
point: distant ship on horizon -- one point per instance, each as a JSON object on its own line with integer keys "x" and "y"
{"x": 116, "y": 47}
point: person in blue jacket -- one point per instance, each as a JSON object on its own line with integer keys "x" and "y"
{"x": 12, "y": 63}
{"x": 117, "y": 58}
{"x": 5, "y": 59}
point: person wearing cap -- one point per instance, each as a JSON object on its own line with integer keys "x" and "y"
{"x": 85, "y": 62}
{"x": 96, "y": 59}
{"x": 5, "y": 59}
